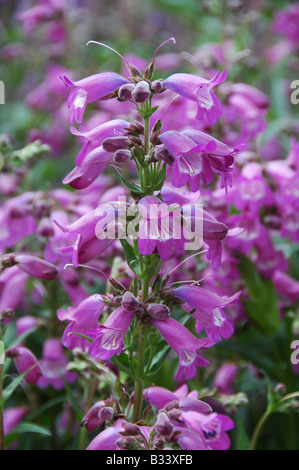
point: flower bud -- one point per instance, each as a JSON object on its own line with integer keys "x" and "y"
{"x": 125, "y": 91}
{"x": 106, "y": 413}
{"x": 36, "y": 267}
{"x": 163, "y": 425}
{"x": 130, "y": 429}
{"x": 137, "y": 128}
{"x": 155, "y": 139}
{"x": 134, "y": 71}
{"x": 122, "y": 156}
{"x": 129, "y": 302}
{"x": 92, "y": 420}
{"x": 149, "y": 71}
{"x": 158, "y": 311}
{"x": 45, "y": 227}
{"x": 6, "y": 313}
{"x": 163, "y": 154}
{"x": 112, "y": 144}
{"x": 141, "y": 92}
{"x": 24, "y": 360}
{"x": 126, "y": 443}
{"x": 157, "y": 86}
{"x": 8, "y": 260}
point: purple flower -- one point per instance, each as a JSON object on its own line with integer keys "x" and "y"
{"x": 12, "y": 417}
{"x": 91, "y": 419}
{"x": 198, "y": 89}
{"x": 90, "y": 89}
{"x": 198, "y": 156}
{"x": 109, "y": 337}
{"x": 212, "y": 428}
{"x": 87, "y": 245}
{"x": 81, "y": 320}
{"x": 209, "y": 313}
{"x": 107, "y": 440}
{"x": 185, "y": 345}
{"x": 97, "y": 135}
{"x": 158, "y": 228}
{"x": 53, "y": 366}
{"x": 225, "y": 378}
{"x": 36, "y": 267}
{"x": 24, "y": 360}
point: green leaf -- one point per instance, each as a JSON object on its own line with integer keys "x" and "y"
{"x": 152, "y": 270}
{"x": 131, "y": 258}
{"x": 30, "y": 427}
{"x": 242, "y": 441}
{"x": 132, "y": 186}
{"x": 159, "y": 359}
{"x": 124, "y": 363}
{"x": 8, "y": 391}
{"x": 262, "y": 308}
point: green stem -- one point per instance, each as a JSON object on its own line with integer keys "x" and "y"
{"x": 139, "y": 382}
{"x": 1, "y": 411}
{"x": 266, "y": 416}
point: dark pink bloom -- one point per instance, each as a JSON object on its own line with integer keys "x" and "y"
{"x": 90, "y": 89}
{"x": 225, "y": 378}
{"x": 36, "y": 267}
{"x": 198, "y": 156}
{"x": 24, "y": 359}
{"x": 12, "y": 417}
{"x": 208, "y": 313}
{"x": 97, "y": 135}
{"x": 109, "y": 337}
{"x": 53, "y": 366}
{"x": 199, "y": 90}
{"x": 212, "y": 428}
{"x": 286, "y": 286}
{"x": 81, "y": 320}
{"x": 91, "y": 419}
{"x": 185, "y": 345}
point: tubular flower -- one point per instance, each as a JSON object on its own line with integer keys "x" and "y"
{"x": 90, "y": 89}
{"x": 109, "y": 337}
{"x": 198, "y": 89}
{"x": 208, "y": 313}
{"x": 198, "y": 156}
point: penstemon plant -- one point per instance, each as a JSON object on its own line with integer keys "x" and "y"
{"x": 157, "y": 219}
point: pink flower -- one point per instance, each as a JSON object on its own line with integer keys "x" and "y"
{"x": 199, "y": 90}
{"x": 90, "y": 89}
{"x": 109, "y": 337}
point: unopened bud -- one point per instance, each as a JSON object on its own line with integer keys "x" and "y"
{"x": 112, "y": 144}
{"x": 122, "y": 156}
{"x": 163, "y": 154}
{"x": 157, "y": 86}
{"x": 125, "y": 91}
{"x": 130, "y": 430}
{"x": 163, "y": 425}
{"x": 141, "y": 92}
{"x": 134, "y": 71}
{"x": 149, "y": 71}
{"x": 155, "y": 139}
{"x": 45, "y": 227}
{"x": 158, "y": 311}
{"x": 36, "y": 267}
{"x": 126, "y": 443}
{"x": 137, "y": 128}
{"x": 6, "y": 313}
{"x": 106, "y": 413}
{"x": 129, "y": 302}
